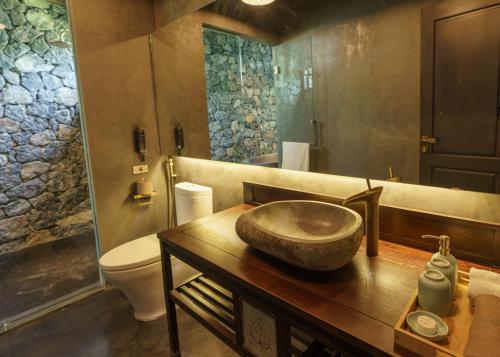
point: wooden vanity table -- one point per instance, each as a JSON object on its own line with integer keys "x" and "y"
{"x": 259, "y": 305}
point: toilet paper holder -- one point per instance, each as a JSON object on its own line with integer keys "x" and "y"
{"x": 144, "y": 192}
{"x": 144, "y": 200}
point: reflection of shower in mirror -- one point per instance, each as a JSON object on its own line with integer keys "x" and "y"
{"x": 61, "y": 42}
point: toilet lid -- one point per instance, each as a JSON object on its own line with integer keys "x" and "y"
{"x": 134, "y": 254}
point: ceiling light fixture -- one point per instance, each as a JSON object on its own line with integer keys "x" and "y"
{"x": 258, "y": 2}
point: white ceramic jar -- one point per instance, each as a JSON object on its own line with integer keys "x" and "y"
{"x": 448, "y": 270}
{"x": 434, "y": 292}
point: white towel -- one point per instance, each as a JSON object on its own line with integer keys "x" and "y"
{"x": 295, "y": 156}
{"x": 483, "y": 282}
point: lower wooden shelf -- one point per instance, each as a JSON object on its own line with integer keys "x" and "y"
{"x": 210, "y": 304}
{"x": 214, "y": 307}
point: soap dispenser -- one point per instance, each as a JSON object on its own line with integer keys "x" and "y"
{"x": 444, "y": 253}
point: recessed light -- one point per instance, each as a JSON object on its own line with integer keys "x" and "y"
{"x": 258, "y": 2}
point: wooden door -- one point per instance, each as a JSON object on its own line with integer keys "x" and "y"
{"x": 460, "y": 123}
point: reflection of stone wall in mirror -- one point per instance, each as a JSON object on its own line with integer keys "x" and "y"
{"x": 241, "y": 101}
{"x": 365, "y": 60}
{"x": 178, "y": 64}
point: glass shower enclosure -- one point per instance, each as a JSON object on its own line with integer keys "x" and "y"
{"x": 294, "y": 88}
{"x": 48, "y": 245}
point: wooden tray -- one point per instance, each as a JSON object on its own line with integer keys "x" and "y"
{"x": 459, "y": 323}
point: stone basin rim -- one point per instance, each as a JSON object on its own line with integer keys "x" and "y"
{"x": 327, "y": 238}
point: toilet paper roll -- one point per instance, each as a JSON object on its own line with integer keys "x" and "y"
{"x": 144, "y": 188}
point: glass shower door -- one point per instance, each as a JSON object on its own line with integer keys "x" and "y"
{"x": 48, "y": 252}
{"x": 293, "y": 73}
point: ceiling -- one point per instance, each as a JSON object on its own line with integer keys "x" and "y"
{"x": 280, "y": 18}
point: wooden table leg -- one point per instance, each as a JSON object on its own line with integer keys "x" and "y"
{"x": 283, "y": 337}
{"x": 238, "y": 319}
{"x": 168, "y": 285}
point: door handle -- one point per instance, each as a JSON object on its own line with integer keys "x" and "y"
{"x": 427, "y": 141}
{"x": 314, "y": 144}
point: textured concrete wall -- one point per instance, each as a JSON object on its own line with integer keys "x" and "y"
{"x": 226, "y": 179}
{"x": 180, "y": 86}
{"x": 241, "y": 101}
{"x": 43, "y": 183}
{"x": 114, "y": 67}
{"x": 366, "y": 60}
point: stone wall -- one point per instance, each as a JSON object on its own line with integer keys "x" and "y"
{"x": 43, "y": 183}
{"x": 241, "y": 101}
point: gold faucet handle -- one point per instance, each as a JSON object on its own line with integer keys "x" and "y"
{"x": 444, "y": 242}
{"x": 393, "y": 178}
{"x": 368, "y": 183}
{"x": 430, "y": 236}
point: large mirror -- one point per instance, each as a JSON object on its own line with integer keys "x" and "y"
{"x": 406, "y": 91}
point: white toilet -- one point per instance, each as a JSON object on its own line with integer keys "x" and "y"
{"x": 135, "y": 267}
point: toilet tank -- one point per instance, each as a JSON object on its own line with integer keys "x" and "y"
{"x": 192, "y": 201}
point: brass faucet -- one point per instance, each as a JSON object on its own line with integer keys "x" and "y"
{"x": 372, "y": 223}
{"x": 393, "y": 178}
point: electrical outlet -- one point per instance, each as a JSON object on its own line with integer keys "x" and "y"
{"x": 140, "y": 169}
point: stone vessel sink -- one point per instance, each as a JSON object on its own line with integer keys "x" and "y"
{"x": 309, "y": 234}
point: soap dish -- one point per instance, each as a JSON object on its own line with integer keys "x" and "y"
{"x": 427, "y": 325}
{"x": 459, "y": 321}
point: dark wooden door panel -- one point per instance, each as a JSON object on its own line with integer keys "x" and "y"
{"x": 464, "y": 179}
{"x": 461, "y": 95}
{"x": 466, "y": 83}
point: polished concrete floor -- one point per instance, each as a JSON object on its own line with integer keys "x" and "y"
{"x": 103, "y": 325}
{"x": 38, "y": 275}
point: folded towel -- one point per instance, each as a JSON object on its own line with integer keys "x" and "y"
{"x": 483, "y": 282}
{"x": 295, "y": 156}
{"x": 485, "y": 328}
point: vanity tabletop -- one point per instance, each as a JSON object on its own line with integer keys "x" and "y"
{"x": 360, "y": 302}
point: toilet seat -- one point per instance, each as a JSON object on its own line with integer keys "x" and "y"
{"x": 134, "y": 254}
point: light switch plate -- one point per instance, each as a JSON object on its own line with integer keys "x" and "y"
{"x": 140, "y": 169}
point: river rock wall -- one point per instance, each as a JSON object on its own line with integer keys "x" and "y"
{"x": 43, "y": 183}
{"x": 241, "y": 100}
